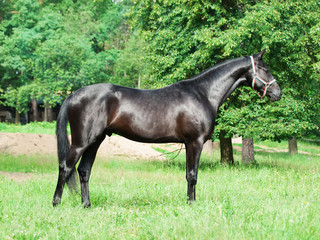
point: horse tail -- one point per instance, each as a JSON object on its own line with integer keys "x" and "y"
{"x": 63, "y": 145}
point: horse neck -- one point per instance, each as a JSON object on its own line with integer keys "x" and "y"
{"x": 222, "y": 80}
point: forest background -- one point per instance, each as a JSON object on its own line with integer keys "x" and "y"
{"x": 50, "y": 48}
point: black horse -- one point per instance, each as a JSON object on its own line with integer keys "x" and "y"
{"x": 183, "y": 112}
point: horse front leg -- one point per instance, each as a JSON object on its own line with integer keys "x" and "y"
{"x": 193, "y": 151}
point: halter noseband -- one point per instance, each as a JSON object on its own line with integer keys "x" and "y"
{"x": 255, "y": 76}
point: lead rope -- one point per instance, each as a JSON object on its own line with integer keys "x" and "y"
{"x": 177, "y": 150}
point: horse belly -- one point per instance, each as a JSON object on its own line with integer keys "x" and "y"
{"x": 150, "y": 129}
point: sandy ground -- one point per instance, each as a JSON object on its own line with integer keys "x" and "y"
{"x": 28, "y": 144}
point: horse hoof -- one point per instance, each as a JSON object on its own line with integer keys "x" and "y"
{"x": 87, "y": 205}
{"x": 190, "y": 201}
{"x": 56, "y": 203}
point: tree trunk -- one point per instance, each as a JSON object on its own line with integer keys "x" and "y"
{"x": 35, "y": 113}
{"x": 48, "y": 117}
{"x": 293, "y": 146}
{"x": 17, "y": 117}
{"x": 139, "y": 81}
{"x": 50, "y": 114}
{"x": 45, "y": 117}
{"x": 207, "y": 147}
{"x": 247, "y": 151}
{"x": 226, "y": 149}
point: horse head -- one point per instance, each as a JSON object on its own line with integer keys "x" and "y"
{"x": 261, "y": 79}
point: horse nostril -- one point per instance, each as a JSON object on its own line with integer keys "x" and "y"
{"x": 276, "y": 95}
{"x": 279, "y": 95}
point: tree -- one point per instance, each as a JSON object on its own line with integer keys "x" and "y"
{"x": 288, "y": 30}
{"x": 18, "y": 98}
{"x": 176, "y": 33}
{"x": 247, "y": 151}
{"x": 59, "y": 46}
{"x": 19, "y": 40}
{"x": 276, "y": 121}
{"x": 293, "y": 147}
{"x": 190, "y": 36}
{"x": 131, "y": 68}
{"x": 226, "y": 150}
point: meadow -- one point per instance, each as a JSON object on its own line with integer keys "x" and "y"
{"x": 276, "y": 198}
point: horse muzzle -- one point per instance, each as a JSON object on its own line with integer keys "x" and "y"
{"x": 274, "y": 92}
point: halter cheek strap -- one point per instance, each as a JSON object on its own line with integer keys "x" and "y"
{"x": 255, "y": 77}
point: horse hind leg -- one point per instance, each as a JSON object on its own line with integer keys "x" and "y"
{"x": 84, "y": 170}
{"x": 66, "y": 170}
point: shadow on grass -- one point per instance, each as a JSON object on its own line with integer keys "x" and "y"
{"x": 135, "y": 201}
{"x": 282, "y": 160}
{"x": 112, "y": 195}
{"x": 179, "y": 163}
{"x": 312, "y": 142}
{"x": 279, "y": 160}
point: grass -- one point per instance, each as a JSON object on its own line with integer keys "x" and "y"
{"x": 28, "y": 164}
{"x": 312, "y": 147}
{"x": 277, "y": 198}
{"x": 32, "y": 127}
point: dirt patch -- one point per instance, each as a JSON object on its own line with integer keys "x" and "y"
{"x": 28, "y": 144}
{"x": 21, "y": 177}
{"x": 17, "y": 176}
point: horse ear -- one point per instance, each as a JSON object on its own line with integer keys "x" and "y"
{"x": 261, "y": 54}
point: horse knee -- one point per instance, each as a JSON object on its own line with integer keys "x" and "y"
{"x": 84, "y": 175}
{"x": 192, "y": 177}
{"x": 64, "y": 171}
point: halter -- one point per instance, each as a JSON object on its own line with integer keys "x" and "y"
{"x": 255, "y": 76}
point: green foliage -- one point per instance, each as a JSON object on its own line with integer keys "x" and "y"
{"x": 131, "y": 67}
{"x": 19, "y": 41}
{"x": 67, "y": 63}
{"x": 58, "y": 47}
{"x": 177, "y": 34}
{"x": 265, "y": 120}
{"x": 187, "y": 37}
{"x": 17, "y": 98}
{"x": 51, "y": 48}
{"x": 287, "y": 30}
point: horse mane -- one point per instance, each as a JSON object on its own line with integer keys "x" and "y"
{"x": 220, "y": 69}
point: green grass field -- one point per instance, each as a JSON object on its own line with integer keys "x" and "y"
{"x": 276, "y": 198}
{"x": 33, "y": 127}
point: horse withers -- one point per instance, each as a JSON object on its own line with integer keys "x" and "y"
{"x": 183, "y": 112}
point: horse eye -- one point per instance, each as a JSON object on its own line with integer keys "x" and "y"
{"x": 263, "y": 68}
